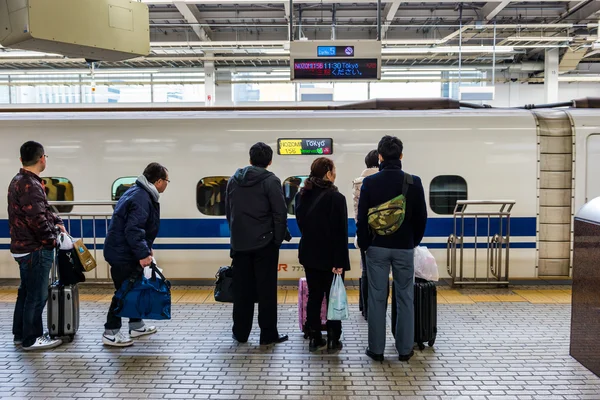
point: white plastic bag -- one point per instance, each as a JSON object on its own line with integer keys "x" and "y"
{"x": 337, "y": 309}
{"x": 148, "y": 270}
{"x": 425, "y": 265}
{"x": 65, "y": 241}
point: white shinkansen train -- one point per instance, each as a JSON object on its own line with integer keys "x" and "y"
{"x": 546, "y": 160}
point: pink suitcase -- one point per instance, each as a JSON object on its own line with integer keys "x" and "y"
{"x": 302, "y": 301}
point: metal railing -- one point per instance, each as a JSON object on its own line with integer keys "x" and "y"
{"x": 497, "y": 244}
{"x": 81, "y": 221}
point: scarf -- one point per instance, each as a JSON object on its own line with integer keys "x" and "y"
{"x": 142, "y": 181}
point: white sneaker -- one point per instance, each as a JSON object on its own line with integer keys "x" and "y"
{"x": 145, "y": 330}
{"x": 44, "y": 343}
{"x": 119, "y": 340}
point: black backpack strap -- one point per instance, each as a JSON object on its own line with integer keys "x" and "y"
{"x": 313, "y": 205}
{"x": 408, "y": 180}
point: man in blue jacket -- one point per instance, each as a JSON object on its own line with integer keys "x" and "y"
{"x": 395, "y": 249}
{"x": 128, "y": 245}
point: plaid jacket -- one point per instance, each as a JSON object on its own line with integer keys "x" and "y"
{"x": 30, "y": 218}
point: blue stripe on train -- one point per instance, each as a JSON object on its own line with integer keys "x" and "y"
{"x": 290, "y": 246}
{"x": 218, "y": 228}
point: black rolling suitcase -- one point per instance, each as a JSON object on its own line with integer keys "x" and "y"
{"x": 63, "y": 307}
{"x": 425, "y": 301}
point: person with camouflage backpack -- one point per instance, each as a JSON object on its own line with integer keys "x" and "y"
{"x": 392, "y": 216}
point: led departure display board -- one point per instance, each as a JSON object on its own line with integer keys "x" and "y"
{"x": 298, "y": 147}
{"x": 335, "y": 60}
{"x": 336, "y": 68}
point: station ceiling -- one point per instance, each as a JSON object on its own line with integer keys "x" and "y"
{"x": 256, "y": 33}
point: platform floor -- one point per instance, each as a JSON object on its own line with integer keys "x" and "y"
{"x": 487, "y": 349}
{"x": 555, "y": 294}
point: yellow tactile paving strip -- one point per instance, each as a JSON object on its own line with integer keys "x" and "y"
{"x": 290, "y": 296}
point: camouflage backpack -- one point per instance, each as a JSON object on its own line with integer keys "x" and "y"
{"x": 386, "y": 218}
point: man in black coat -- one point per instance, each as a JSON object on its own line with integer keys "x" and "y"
{"x": 257, "y": 216}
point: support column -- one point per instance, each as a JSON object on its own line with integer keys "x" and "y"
{"x": 514, "y": 88}
{"x": 551, "y": 76}
{"x": 223, "y": 88}
{"x": 209, "y": 82}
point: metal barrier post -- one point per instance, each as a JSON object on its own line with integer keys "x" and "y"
{"x": 87, "y": 216}
{"x": 496, "y": 262}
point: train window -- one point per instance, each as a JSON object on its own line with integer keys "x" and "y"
{"x": 291, "y": 186}
{"x": 121, "y": 185}
{"x": 210, "y": 195}
{"x": 445, "y": 191}
{"x": 59, "y": 189}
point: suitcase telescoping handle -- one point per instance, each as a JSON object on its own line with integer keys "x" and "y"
{"x": 54, "y": 269}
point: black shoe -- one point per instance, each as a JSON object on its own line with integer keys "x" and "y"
{"x": 279, "y": 339}
{"x": 317, "y": 344}
{"x": 406, "y": 357}
{"x": 238, "y": 340}
{"x": 376, "y": 357}
{"x": 334, "y": 345}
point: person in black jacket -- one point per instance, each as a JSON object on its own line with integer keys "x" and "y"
{"x": 396, "y": 249}
{"x": 257, "y": 216}
{"x": 322, "y": 216}
{"x": 128, "y": 246}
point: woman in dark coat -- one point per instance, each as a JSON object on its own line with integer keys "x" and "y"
{"x": 322, "y": 216}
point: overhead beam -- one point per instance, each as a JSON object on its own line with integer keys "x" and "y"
{"x": 192, "y": 15}
{"x": 251, "y": 2}
{"x": 491, "y": 9}
{"x": 390, "y": 11}
{"x": 286, "y": 10}
{"x": 586, "y": 12}
{"x": 571, "y": 60}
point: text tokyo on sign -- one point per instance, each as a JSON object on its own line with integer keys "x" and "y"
{"x": 290, "y": 147}
{"x": 335, "y": 69}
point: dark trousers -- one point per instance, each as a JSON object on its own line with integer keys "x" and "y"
{"x": 120, "y": 274}
{"x": 255, "y": 278}
{"x": 319, "y": 285}
{"x": 364, "y": 285}
{"x": 32, "y": 295}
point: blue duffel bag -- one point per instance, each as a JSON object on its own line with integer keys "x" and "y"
{"x": 140, "y": 297}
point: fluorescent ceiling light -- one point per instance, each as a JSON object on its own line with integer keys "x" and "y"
{"x": 447, "y": 49}
{"x": 221, "y": 44}
{"x": 540, "y": 39}
{"x": 568, "y": 78}
{"x": 26, "y": 54}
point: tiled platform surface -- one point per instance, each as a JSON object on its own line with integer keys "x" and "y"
{"x": 554, "y": 294}
{"x": 484, "y": 351}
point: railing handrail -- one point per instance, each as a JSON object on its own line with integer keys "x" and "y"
{"x": 90, "y": 214}
{"x": 83, "y": 203}
{"x": 504, "y": 205}
{"x": 485, "y": 202}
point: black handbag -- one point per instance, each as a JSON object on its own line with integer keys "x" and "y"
{"x": 224, "y": 285}
{"x": 70, "y": 269}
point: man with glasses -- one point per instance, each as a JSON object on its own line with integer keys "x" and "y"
{"x": 128, "y": 245}
{"x": 33, "y": 237}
